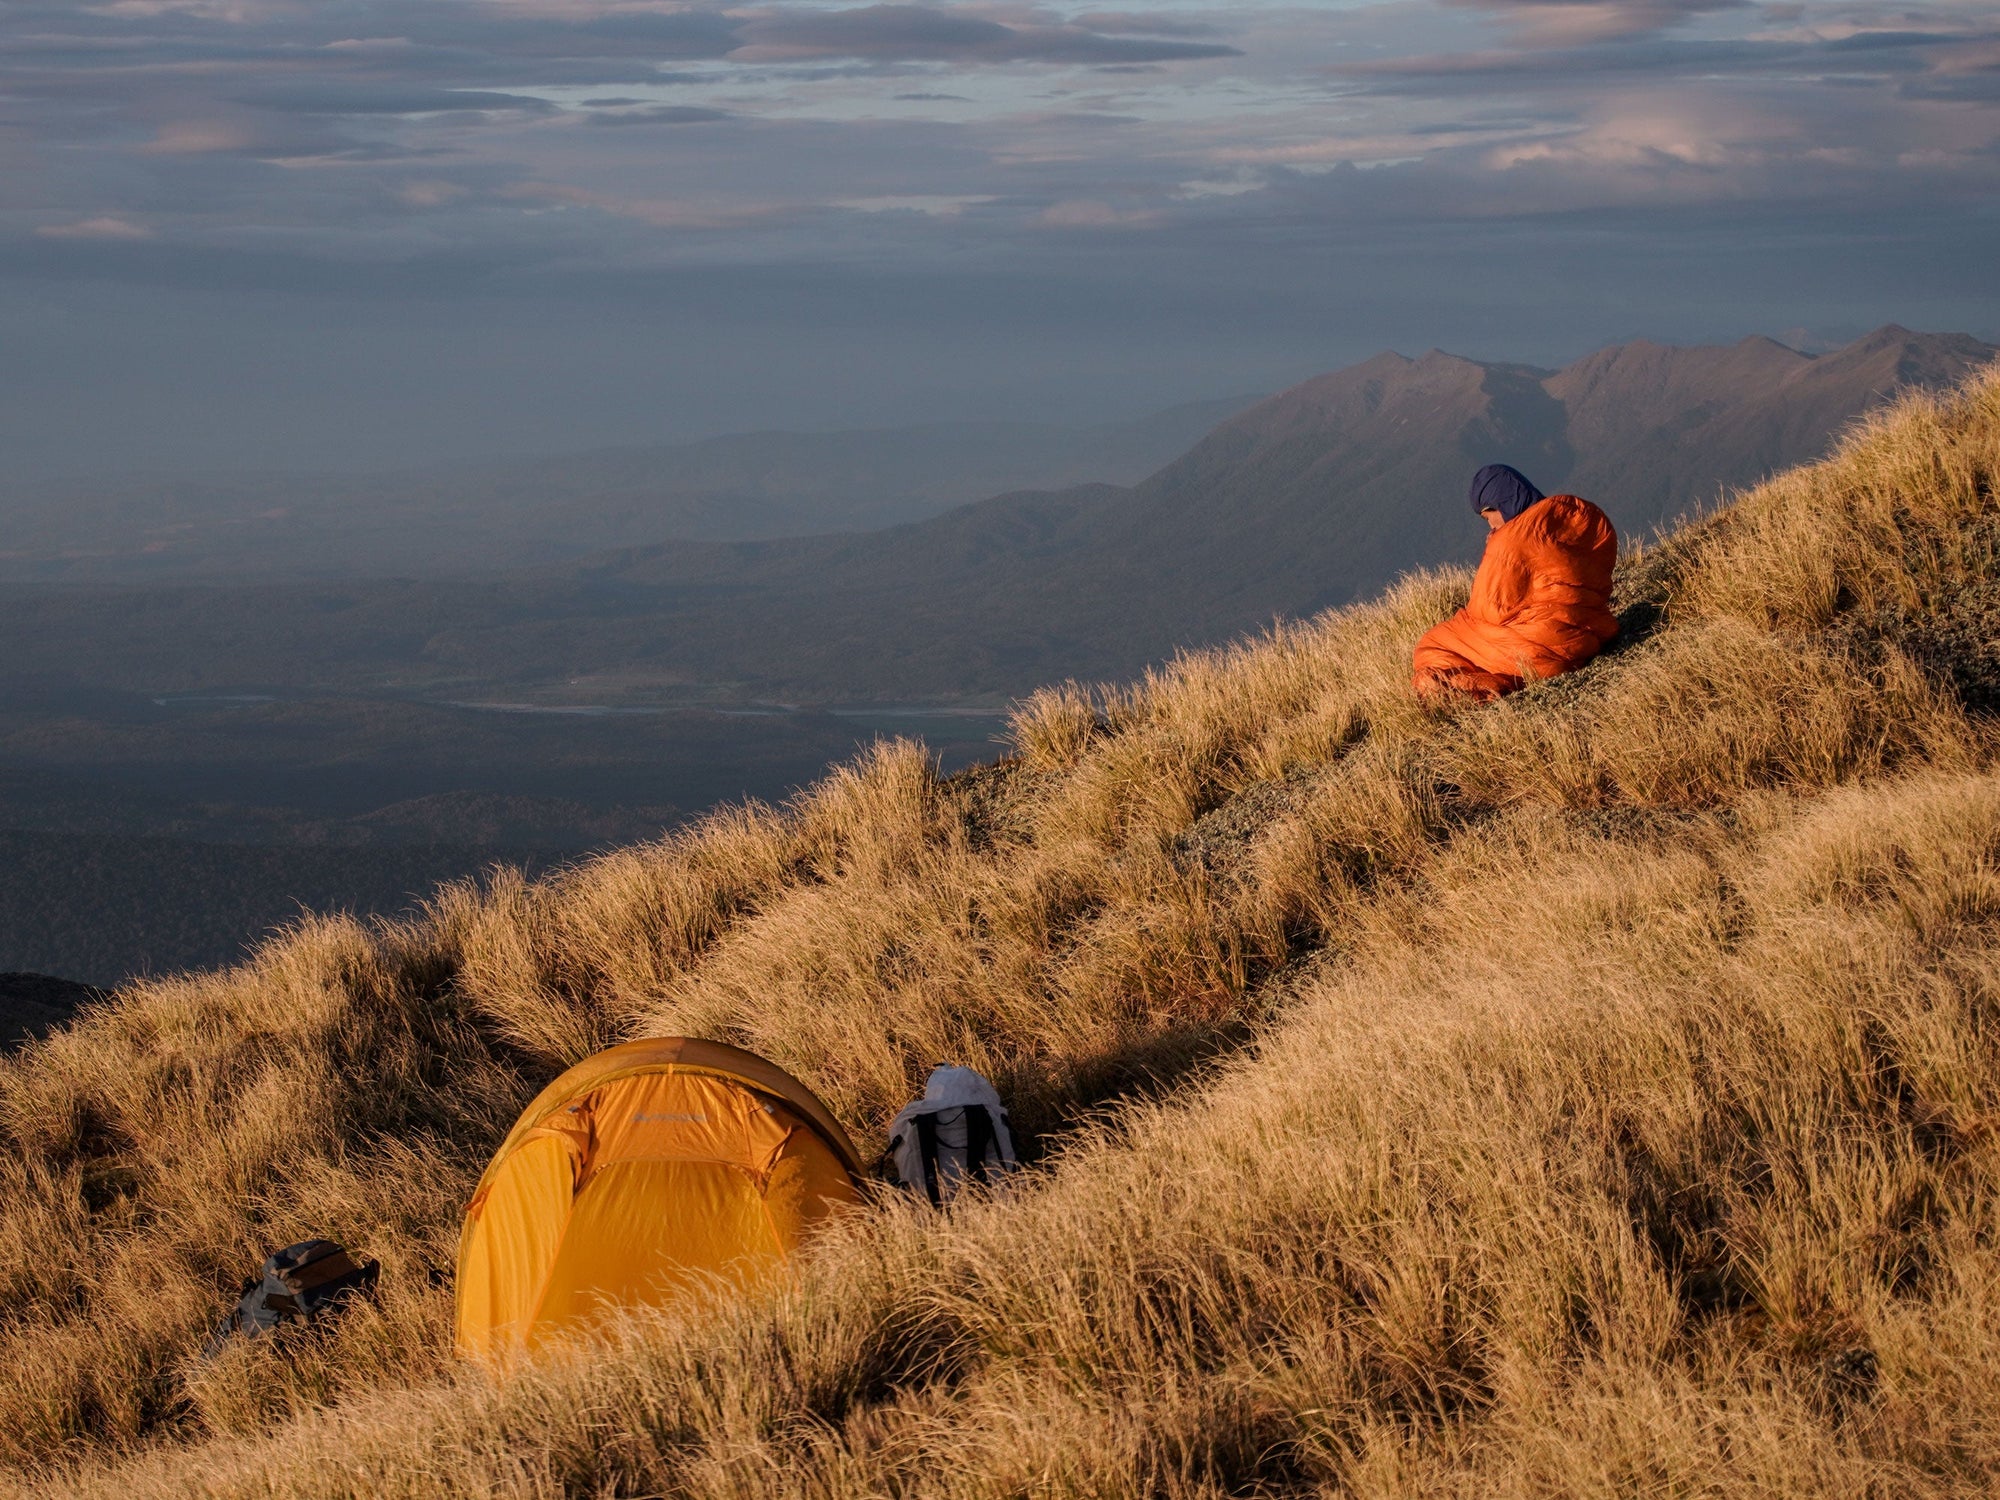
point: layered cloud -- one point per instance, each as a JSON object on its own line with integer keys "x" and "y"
{"x": 910, "y": 33}
{"x": 1569, "y": 22}
{"x": 546, "y": 149}
{"x": 115, "y": 107}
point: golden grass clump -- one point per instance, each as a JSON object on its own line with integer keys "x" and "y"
{"x": 559, "y": 966}
{"x": 159, "y": 1147}
{"x": 1617, "y": 1113}
{"x": 1895, "y": 520}
{"x": 1704, "y": 714}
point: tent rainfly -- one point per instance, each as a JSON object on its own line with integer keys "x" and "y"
{"x": 652, "y": 1167}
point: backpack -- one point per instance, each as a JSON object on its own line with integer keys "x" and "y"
{"x": 300, "y": 1283}
{"x": 957, "y": 1131}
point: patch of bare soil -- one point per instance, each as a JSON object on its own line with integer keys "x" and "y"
{"x": 1957, "y": 642}
{"x": 993, "y": 799}
{"x": 1219, "y": 840}
{"x": 1955, "y": 637}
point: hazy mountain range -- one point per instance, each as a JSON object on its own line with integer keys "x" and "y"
{"x": 130, "y": 529}
{"x": 1304, "y": 500}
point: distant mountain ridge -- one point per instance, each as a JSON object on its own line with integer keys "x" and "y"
{"x": 1308, "y": 499}
{"x": 488, "y": 517}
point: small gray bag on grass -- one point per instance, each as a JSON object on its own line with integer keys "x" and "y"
{"x": 957, "y": 1133}
{"x": 301, "y": 1283}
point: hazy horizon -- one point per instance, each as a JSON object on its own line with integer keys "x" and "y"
{"x": 1046, "y": 413}
{"x": 442, "y": 461}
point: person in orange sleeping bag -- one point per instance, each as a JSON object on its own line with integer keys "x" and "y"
{"x": 1541, "y": 601}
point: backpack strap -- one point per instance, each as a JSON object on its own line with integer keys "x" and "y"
{"x": 978, "y": 1139}
{"x": 927, "y": 1148}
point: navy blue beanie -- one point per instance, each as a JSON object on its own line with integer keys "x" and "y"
{"x": 1499, "y": 487}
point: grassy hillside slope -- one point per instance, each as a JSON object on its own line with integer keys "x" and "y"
{"x": 1593, "y": 1093}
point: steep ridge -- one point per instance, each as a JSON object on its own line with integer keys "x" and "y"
{"x": 1616, "y": 1115}
{"x": 1322, "y": 492}
{"x": 1662, "y": 429}
{"x": 1643, "y": 410}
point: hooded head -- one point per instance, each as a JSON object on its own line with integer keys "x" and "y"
{"x": 1505, "y": 489}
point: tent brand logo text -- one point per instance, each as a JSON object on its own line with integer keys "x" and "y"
{"x": 642, "y": 1118}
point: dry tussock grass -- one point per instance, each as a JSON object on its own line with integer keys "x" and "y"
{"x": 1622, "y": 1103}
{"x": 1681, "y": 1179}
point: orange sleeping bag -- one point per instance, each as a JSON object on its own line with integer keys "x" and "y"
{"x": 1540, "y": 605}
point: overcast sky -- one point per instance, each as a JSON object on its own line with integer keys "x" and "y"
{"x": 316, "y": 232}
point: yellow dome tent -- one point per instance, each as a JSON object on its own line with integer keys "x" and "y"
{"x": 646, "y": 1168}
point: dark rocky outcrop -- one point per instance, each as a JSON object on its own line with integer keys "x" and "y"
{"x": 33, "y": 1004}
